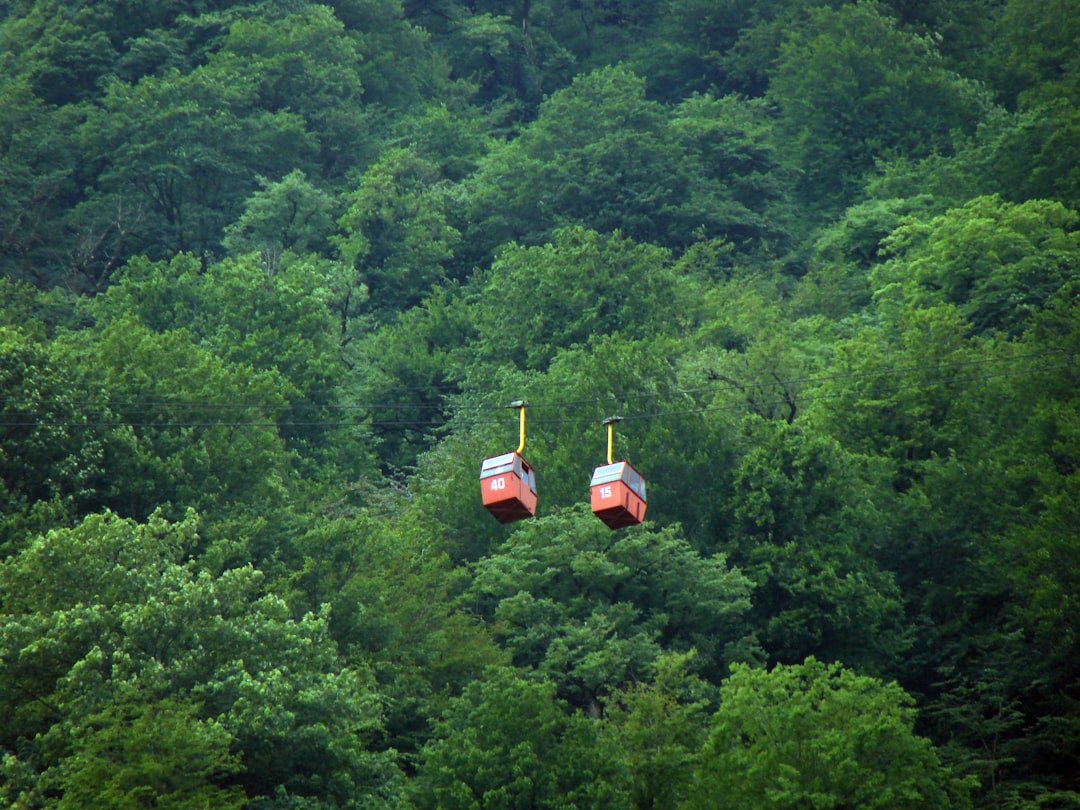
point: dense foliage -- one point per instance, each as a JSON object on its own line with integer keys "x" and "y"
{"x": 270, "y": 271}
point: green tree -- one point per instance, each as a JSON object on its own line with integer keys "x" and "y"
{"x": 398, "y": 68}
{"x": 658, "y": 729}
{"x": 506, "y": 55}
{"x": 1007, "y": 502}
{"x": 535, "y": 300}
{"x": 602, "y": 155}
{"x": 288, "y": 215}
{"x": 177, "y": 155}
{"x": 52, "y": 450}
{"x": 977, "y": 435}
{"x": 1035, "y": 52}
{"x": 907, "y": 390}
{"x": 837, "y": 282}
{"x": 685, "y": 53}
{"x": 965, "y": 33}
{"x": 738, "y": 191}
{"x": 113, "y": 614}
{"x": 454, "y": 139}
{"x": 998, "y": 263}
{"x": 1016, "y": 156}
{"x": 714, "y": 46}
{"x": 818, "y": 735}
{"x": 408, "y": 371}
{"x": 157, "y": 755}
{"x": 805, "y": 523}
{"x": 287, "y": 325}
{"x": 396, "y": 231}
{"x": 62, "y": 50}
{"x": 592, "y": 610}
{"x": 37, "y": 166}
{"x": 390, "y": 596}
{"x": 509, "y": 742}
{"x": 308, "y": 63}
{"x": 169, "y": 393}
{"x": 842, "y": 104}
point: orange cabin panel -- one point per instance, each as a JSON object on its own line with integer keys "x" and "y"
{"x": 617, "y": 495}
{"x": 508, "y": 487}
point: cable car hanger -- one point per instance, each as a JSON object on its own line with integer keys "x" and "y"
{"x": 610, "y": 422}
{"x": 521, "y": 405}
{"x": 617, "y": 490}
{"x": 508, "y": 482}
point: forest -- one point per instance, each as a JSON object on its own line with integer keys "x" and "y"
{"x": 271, "y": 273}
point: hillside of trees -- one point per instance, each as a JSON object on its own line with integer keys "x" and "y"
{"x": 271, "y": 272}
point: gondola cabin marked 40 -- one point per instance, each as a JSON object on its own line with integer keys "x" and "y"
{"x": 507, "y": 482}
{"x": 618, "y": 494}
{"x": 508, "y": 487}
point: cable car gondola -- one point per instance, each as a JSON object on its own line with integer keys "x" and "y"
{"x": 617, "y": 489}
{"x": 508, "y": 482}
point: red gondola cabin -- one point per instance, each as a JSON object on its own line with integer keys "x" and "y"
{"x": 618, "y": 495}
{"x": 508, "y": 487}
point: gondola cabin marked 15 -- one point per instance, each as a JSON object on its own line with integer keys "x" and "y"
{"x": 618, "y": 495}
{"x": 508, "y": 482}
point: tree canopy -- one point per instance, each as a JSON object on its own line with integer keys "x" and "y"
{"x": 270, "y": 274}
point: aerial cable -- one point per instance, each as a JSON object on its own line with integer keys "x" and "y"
{"x": 460, "y": 414}
{"x": 464, "y": 420}
{"x": 720, "y": 385}
{"x": 732, "y": 406}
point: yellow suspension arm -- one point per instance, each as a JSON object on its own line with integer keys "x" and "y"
{"x": 610, "y": 422}
{"x": 520, "y": 405}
